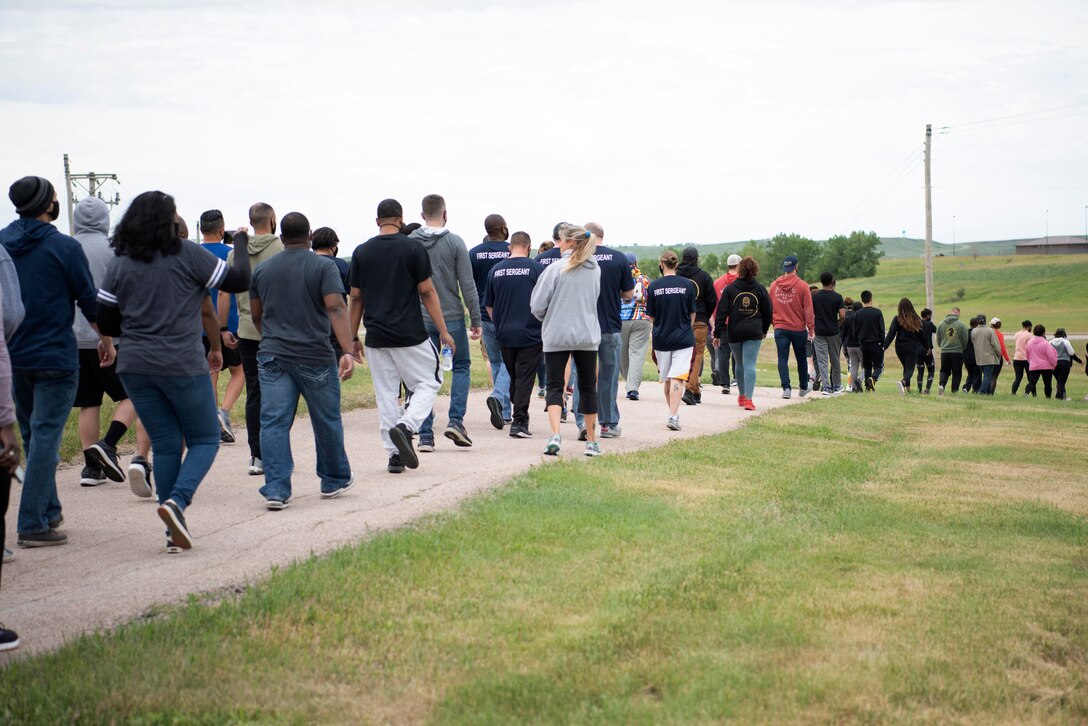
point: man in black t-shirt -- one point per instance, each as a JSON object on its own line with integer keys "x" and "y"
{"x": 829, "y": 311}
{"x": 671, "y": 305}
{"x": 390, "y": 277}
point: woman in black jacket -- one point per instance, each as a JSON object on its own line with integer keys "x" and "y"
{"x": 910, "y": 343}
{"x": 744, "y": 317}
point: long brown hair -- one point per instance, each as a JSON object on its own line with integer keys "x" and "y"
{"x": 908, "y": 319}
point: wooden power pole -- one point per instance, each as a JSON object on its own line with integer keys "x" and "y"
{"x": 929, "y": 219}
{"x": 92, "y": 183}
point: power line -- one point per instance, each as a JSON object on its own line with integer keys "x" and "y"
{"x": 960, "y": 129}
{"x": 899, "y": 172}
{"x": 1015, "y": 115}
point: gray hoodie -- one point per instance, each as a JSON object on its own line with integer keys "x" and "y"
{"x": 566, "y": 302}
{"x": 91, "y": 221}
{"x": 10, "y": 292}
{"x": 450, "y": 270}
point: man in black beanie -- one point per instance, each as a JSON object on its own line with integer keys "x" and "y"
{"x": 53, "y": 274}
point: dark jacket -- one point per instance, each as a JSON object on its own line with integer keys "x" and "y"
{"x": 745, "y": 313}
{"x": 53, "y": 273}
{"x": 705, "y": 297}
{"x": 904, "y": 339}
{"x": 869, "y": 326}
{"x": 849, "y": 333}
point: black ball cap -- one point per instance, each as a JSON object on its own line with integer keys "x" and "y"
{"x": 31, "y": 195}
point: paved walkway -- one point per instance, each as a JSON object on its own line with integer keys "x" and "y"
{"x": 114, "y": 567}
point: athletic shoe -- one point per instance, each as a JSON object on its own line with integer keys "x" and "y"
{"x": 105, "y": 456}
{"x": 8, "y": 555}
{"x": 741, "y": 400}
{"x": 170, "y": 513}
{"x": 276, "y": 505}
{"x": 541, "y": 393}
{"x": 494, "y": 405}
{"x": 902, "y": 388}
{"x": 456, "y": 433}
{"x": 49, "y": 538}
{"x": 714, "y": 378}
{"x": 337, "y": 492}
{"x": 787, "y": 393}
{"x": 171, "y": 548}
{"x": 805, "y": 391}
{"x": 749, "y": 405}
{"x": 925, "y": 392}
{"x": 611, "y": 432}
{"x": 562, "y": 415}
{"x": 593, "y": 448}
{"x": 940, "y": 391}
{"x": 517, "y": 431}
{"x": 688, "y": 398}
{"x": 9, "y": 639}
{"x": 870, "y": 384}
{"x": 552, "y": 449}
{"x": 725, "y": 390}
{"x": 733, "y": 382}
{"x": 632, "y": 395}
{"x": 395, "y": 466}
{"x": 20, "y": 472}
{"x": 827, "y": 393}
{"x": 402, "y": 439}
{"x": 674, "y": 423}
{"x": 91, "y": 476}
{"x": 226, "y": 431}
{"x": 256, "y": 466}
{"x": 426, "y": 443}
{"x": 139, "y": 477}
{"x": 582, "y": 435}
{"x": 57, "y": 523}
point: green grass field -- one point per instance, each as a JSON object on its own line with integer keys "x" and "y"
{"x": 864, "y": 559}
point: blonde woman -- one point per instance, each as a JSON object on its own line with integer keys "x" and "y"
{"x": 565, "y": 301}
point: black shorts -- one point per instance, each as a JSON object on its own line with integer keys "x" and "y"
{"x": 96, "y": 381}
{"x": 231, "y": 357}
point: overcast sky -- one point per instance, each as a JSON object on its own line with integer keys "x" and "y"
{"x": 665, "y": 122}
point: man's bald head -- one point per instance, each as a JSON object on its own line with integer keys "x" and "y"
{"x": 596, "y": 229}
{"x": 495, "y": 226}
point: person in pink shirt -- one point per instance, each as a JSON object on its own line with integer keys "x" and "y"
{"x": 1042, "y": 359}
{"x": 1020, "y": 354}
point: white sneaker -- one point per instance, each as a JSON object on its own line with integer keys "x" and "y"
{"x": 674, "y": 423}
{"x": 806, "y": 390}
{"x": 256, "y": 466}
{"x": 786, "y": 393}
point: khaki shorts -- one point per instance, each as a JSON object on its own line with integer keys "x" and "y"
{"x": 674, "y": 363}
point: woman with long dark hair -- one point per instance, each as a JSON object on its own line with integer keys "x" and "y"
{"x": 155, "y": 296}
{"x": 1064, "y": 364}
{"x": 743, "y": 318}
{"x": 910, "y": 343}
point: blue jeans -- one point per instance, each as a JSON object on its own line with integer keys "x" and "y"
{"x": 462, "y": 379}
{"x": 499, "y": 375}
{"x": 281, "y": 384}
{"x": 608, "y": 382}
{"x": 783, "y": 339}
{"x": 744, "y": 355}
{"x": 178, "y": 413}
{"x": 43, "y": 400}
{"x": 988, "y": 373}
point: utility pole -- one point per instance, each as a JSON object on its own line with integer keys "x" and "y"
{"x": 93, "y": 184}
{"x": 929, "y": 219}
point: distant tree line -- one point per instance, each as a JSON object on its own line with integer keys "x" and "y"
{"x": 854, "y": 255}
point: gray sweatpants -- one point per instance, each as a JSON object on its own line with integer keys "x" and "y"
{"x": 635, "y": 342}
{"x": 418, "y": 367}
{"x": 854, "y": 356}
{"x": 828, "y": 348}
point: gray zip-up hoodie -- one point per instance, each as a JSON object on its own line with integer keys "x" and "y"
{"x": 450, "y": 269}
{"x": 566, "y": 302}
{"x": 91, "y": 221}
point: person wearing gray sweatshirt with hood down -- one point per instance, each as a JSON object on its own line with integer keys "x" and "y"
{"x": 565, "y": 301}
{"x": 91, "y": 222}
{"x": 451, "y": 272}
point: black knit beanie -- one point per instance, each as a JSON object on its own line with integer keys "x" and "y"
{"x": 31, "y": 195}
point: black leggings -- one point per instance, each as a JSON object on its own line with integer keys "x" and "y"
{"x": 248, "y": 350}
{"x": 1020, "y": 367}
{"x": 1061, "y": 375}
{"x": 926, "y": 364}
{"x": 1033, "y": 381}
{"x": 585, "y": 363}
{"x": 908, "y": 356}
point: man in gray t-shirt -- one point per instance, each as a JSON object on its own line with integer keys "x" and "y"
{"x": 295, "y": 299}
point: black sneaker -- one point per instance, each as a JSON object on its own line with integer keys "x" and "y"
{"x": 456, "y": 433}
{"x": 402, "y": 439}
{"x": 57, "y": 523}
{"x": 50, "y": 538}
{"x": 396, "y": 466}
{"x": 494, "y": 405}
{"x": 9, "y": 639}
{"x": 170, "y": 513}
{"x": 582, "y": 435}
{"x": 714, "y": 380}
{"x": 517, "y": 431}
{"x": 725, "y": 390}
{"x": 171, "y": 548}
{"x": 139, "y": 477}
{"x": 632, "y": 395}
{"x": 688, "y": 398}
{"x": 105, "y": 456}
{"x": 337, "y": 492}
{"x": 91, "y": 476}
{"x": 699, "y": 398}
{"x": 562, "y": 414}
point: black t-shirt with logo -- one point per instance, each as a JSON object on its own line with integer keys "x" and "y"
{"x": 483, "y": 257}
{"x": 508, "y": 292}
{"x": 670, "y": 301}
{"x": 616, "y": 278}
{"x": 826, "y": 305}
{"x": 549, "y": 256}
{"x": 387, "y": 270}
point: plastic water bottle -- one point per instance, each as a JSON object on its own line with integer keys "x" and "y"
{"x": 447, "y": 358}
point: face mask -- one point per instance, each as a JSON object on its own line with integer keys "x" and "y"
{"x": 661, "y": 269}
{"x": 54, "y": 211}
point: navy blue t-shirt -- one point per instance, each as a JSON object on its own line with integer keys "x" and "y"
{"x": 548, "y": 257}
{"x": 483, "y": 257}
{"x": 343, "y": 268}
{"x": 670, "y": 301}
{"x": 509, "y": 287}
{"x": 616, "y": 277}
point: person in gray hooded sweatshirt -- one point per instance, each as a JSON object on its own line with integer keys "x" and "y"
{"x": 91, "y": 221}
{"x": 451, "y": 272}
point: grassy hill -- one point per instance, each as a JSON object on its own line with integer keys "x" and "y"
{"x": 894, "y": 248}
{"x": 1048, "y": 290}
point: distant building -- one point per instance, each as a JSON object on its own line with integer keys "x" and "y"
{"x": 1057, "y": 245}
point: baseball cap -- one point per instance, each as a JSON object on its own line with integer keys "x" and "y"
{"x": 994, "y": 321}
{"x": 631, "y": 259}
{"x": 733, "y": 261}
{"x": 789, "y": 264}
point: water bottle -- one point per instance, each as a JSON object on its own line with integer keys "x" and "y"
{"x": 447, "y": 358}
